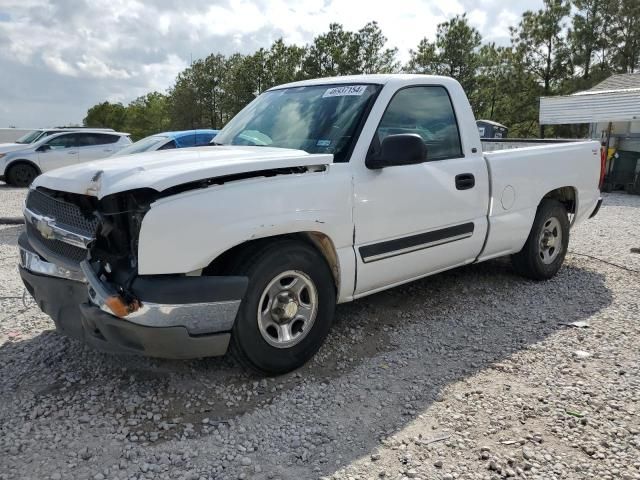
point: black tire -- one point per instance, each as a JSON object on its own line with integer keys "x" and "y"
{"x": 262, "y": 266}
{"x": 530, "y": 261}
{"x": 21, "y": 174}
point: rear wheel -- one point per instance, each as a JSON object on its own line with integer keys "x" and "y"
{"x": 545, "y": 249}
{"x": 21, "y": 175}
{"x": 288, "y": 308}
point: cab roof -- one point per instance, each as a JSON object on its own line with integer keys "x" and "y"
{"x": 374, "y": 79}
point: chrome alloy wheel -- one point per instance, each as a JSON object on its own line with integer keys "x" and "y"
{"x": 287, "y": 309}
{"x": 550, "y": 241}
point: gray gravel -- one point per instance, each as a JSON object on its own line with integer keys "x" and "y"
{"x": 471, "y": 374}
{"x": 11, "y": 200}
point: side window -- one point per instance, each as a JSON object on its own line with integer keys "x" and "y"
{"x": 203, "y": 139}
{"x": 63, "y": 141}
{"x": 426, "y": 111}
{"x": 106, "y": 139}
{"x": 44, "y": 135}
{"x": 186, "y": 141}
{"x": 168, "y": 145}
{"x": 86, "y": 139}
{"x": 95, "y": 139}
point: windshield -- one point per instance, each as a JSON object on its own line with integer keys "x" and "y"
{"x": 144, "y": 145}
{"x": 30, "y": 137}
{"x": 316, "y": 119}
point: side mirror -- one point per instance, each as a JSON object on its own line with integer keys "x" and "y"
{"x": 43, "y": 148}
{"x": 396, "y": 150}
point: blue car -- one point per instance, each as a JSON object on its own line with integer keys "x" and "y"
{"x": 170, "y": 140}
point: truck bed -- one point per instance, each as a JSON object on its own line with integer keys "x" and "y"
{"x": 493, "y": 144}
{"x": 520, "y": 178}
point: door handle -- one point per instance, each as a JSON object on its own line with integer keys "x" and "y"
{"x": 465, "y": 181}
{"x": 71, "y": 153}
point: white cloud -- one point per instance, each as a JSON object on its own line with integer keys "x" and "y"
{"x": 90, "y": 50}
{"x": 58, "y": 65}
{"x": 94, "y": 67}
{"x": 159, "y": 75}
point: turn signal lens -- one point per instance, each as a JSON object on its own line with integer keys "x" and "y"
{"x": 119, "y": 307}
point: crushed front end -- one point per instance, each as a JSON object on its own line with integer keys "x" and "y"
{"x": 78, "y": 259}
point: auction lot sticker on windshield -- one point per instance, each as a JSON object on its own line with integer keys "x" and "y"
{"x": 345, "y": 90}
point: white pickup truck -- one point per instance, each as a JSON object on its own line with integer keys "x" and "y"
{"x": 318, "y": 192}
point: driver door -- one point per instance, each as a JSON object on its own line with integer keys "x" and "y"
{"x": 58, "y": 152}
{"x": 414, "y": 220}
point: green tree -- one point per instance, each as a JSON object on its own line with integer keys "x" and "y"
{"x": 283, "y": 63}
{"x": 196, "y": 99}
{"x": 184, "y": 108}
{"x": 454, "y": 53}
{"x": 627, "y": 34}
{"x": 493, "y": 79}
{"x": 589, "y": 34}
{"x": 424, "y": 59}
{"x": 209, "y": 75}
{"x": 541, "y": 46}
{"x": 106, "y": 115}
{"x": 540, "y": 41}
{"x": 241, "y": 85}
{"x": 331, "y": 54}
{"x": 373, "y": 57}
{"x": 147, "y": 115}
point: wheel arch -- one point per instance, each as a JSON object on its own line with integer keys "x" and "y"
{"x": 322, "y": 243}
{"x": 568, "y": 196}
{"x": 17, "y": 161}
{"x": 20, "y": 161}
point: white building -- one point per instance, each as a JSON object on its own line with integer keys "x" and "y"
{"x": 615, "y": 101}
{"x": 612, "y": 110}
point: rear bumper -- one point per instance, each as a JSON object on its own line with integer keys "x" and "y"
{"x": 196, "y": 324}
{"x": 597, "y": 209}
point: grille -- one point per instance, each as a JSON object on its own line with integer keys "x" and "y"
{"x": 64, "y": 213}
{"x": 56, "y": 247}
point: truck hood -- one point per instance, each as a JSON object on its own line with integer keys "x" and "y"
{"x": 167, "y": 168}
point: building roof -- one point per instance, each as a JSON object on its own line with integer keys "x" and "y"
{"x": 617, "y": 99}
{"x": 623, "y": 81}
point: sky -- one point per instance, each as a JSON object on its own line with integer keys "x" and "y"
{"x": 60, "y": 57}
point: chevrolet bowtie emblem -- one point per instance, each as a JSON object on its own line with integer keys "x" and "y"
{"x": 45, "y": 227}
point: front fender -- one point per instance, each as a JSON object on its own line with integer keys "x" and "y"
{"x": 186, "y": 232}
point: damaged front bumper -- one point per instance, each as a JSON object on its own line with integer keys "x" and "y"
{"x": 179, "y": 316}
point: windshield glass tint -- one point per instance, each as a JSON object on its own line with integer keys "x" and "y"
{"x": 144, "y": 145}
{"x": 316, "y": 119}
{"x": 30, "y": 137}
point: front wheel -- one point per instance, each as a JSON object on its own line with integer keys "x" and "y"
{"x": 21, "y": 175}
{"x": 545, "y": 249}
{"x": 288, "y": 309}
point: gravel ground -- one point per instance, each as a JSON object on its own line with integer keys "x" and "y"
{"x": 11, "y": 200}
{"x": 474, "y": 373}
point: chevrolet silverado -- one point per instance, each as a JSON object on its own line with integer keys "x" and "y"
{"x": 318, "y": 192}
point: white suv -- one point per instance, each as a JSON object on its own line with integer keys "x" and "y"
{"x": 20, "y": 167}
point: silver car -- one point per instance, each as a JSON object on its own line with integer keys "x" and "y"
{"x": 20, "y": 167}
